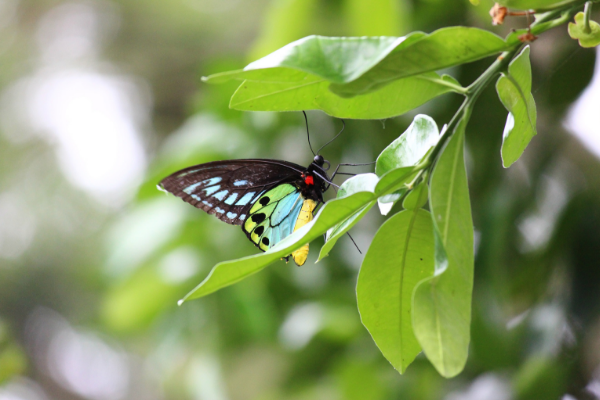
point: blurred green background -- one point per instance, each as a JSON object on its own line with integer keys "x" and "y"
{"x": 101, "y": 99}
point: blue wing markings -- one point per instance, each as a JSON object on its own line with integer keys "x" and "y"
{"x": 290, "y": 210}
{"x": 241, "y": 183}
{"x": 274, "y": 216}
{"x": 210, "y": 190}
{"x": 206, "y": 182}
{"x": 221, "y": 195}
{"x": 245, "y": 199}
{"x": 231, "y": 199}
{"x": 284, "y": 207}
{"x": 257, "y": 197}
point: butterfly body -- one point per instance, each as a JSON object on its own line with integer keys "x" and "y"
{"x": 270, "y": 199}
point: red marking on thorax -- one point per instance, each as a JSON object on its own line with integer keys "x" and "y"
{"x": 309, "y": 180}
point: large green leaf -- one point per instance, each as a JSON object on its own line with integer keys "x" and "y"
{"x": 442, "y": 304}
{"x": 400, "y": 256}
{"x": 532, "y": 4}
{"x": 441, "y": 49}
{"x": 514, "y": 90}
{"x": 312, "y": 93}
{"x": 334, "y": 212}
{"x": 407, "y": 150}
{"x": 335, "y": 59}
{"x": 358, "y": 183}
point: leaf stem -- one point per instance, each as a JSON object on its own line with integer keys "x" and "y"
{"x": 587, "y": 13}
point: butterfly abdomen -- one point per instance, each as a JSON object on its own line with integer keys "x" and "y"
{"x": 305, "y": 216}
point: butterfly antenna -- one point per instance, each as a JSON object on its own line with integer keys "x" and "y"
{"x": 355, "y": 245}
{"x": 335, "y": 137}
{"x": 308, "y": 134}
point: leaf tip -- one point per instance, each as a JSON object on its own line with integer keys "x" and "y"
{"x": 180, "y": 302}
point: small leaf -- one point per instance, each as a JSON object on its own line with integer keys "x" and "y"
{"x": 407, "y": 150}
{"x": 442, "y": 304}
{"x": 588, "y": 37}
{"x": 410, "y": 147}
{"x": 358, "y": 183}
{"x": 441, "y": 49}
{"x": 417, "y": 197}
{"x": 400, "y": 256}
{"x": 514, "y": 90}
{"x": 312, "y": 93}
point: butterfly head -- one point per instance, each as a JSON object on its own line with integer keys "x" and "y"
{"x": 321, "y": 162}
{"x": 315, "y": 178}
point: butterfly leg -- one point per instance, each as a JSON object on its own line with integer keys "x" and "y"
{"x": 336, "y": 172}
{"x": 326, "y": 180}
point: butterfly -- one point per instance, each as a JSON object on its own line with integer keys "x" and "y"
{"x": 270, "y": 199}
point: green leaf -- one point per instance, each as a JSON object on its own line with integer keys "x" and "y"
{"x": 407, "y": 150}
{"x": 400, "y": 256}
{"x": 410, "y": 147}
{"x": 358, "y": 183}
{"x": 442, "y": 304}
{"x": 514, "y": 90}
{"x": 334, "y": 212}
{"x": 312, "y": 93}
{"x": 588, "y": 37}
{"x": 417, "y": 197}
{"x": 336, "y": 59}
{"x": 441, "y": 49}
{"x": 532, "y": 4}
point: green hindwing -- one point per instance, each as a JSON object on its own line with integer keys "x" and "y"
{"x": 273, "y": 216}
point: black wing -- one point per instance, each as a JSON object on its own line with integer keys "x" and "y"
{"x": 228, "y": 189}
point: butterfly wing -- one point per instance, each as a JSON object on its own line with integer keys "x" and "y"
{"x": 229, "y": 189}
{"x": 273, "y": 216}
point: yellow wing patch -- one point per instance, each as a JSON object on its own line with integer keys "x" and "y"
{"x": 306, "y": 215}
